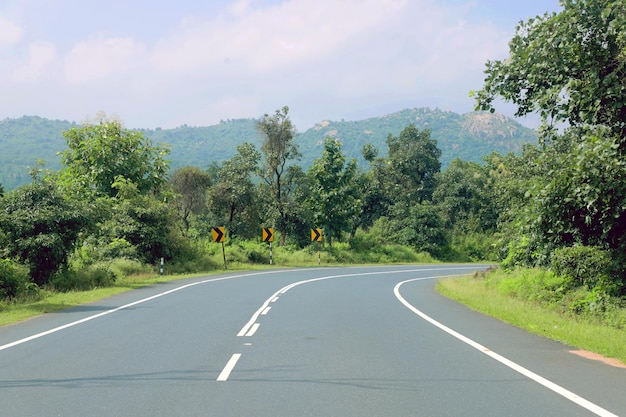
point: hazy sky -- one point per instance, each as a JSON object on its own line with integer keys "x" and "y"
{"x": 155, "y": 63}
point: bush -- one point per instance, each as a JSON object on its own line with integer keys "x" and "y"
{"x": 96, "y": 276}
{"x": 14, "y": 279}
{"x": 586, "y": 266}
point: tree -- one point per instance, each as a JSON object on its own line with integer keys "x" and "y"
{"x": 568, "y": 66}
{"x": 98, "y": 154}
{"x": 145, "y": 221}
{"x": 464, "y": 198}
{"x": 41, "y": 226}
{"x": 233, "y": 196}
{"x": 334, "y": 196}
{"x": 413, "y": 162}
{"x": 279, "y": 148}
{"x": 191, "y": 185}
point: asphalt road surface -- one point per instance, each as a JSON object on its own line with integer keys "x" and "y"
{"x": 361, "y": 341}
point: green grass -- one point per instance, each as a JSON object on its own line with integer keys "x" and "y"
{"x": 494, "y": 297}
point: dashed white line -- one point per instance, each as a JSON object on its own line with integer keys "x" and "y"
{"x": 253, "y": 329}
{"x": 230, "y": 365}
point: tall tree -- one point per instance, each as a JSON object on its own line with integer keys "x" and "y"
{"x": 413, "y": 162}
{"x": 278, "y": 148}
{"x": 334, "y": 191}
{"x": 568, "y": 66}
{"x": 233, "y": 196}
{"x": 463, "y": 195}
{"x": 191, "y": 185}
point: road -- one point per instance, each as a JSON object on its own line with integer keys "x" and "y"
{"x": 360, "y": 341}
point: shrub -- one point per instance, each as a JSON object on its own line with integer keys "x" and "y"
{"x": 14, "y": 279}
{"x": 96, "y": 276}
{"x": 586, "y": 266}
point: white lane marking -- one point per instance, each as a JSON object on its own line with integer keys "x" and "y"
{"x": 244, "y": 330}
{"x": 253, "y": 329}
{"x": 114, "y": 310}
{"x": 223, "y": 376}
{"x": 267, "y": 310}
{"x": 597, "y": 410}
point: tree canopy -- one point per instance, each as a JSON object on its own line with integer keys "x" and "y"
{"x": 568, "y": 66}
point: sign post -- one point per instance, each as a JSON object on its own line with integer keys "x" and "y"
{"x": 268, "y": 236}
{"x": 219, "y": 235}
{"x": 316, "y": 236}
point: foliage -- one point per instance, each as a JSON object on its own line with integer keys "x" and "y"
{"x": 99, "y": 154}
{"x": 14, "y": 279}
{"x": 334, "y": 195}
{"x": 233, "y": 196}
{"x": 413, "y": 161}
{"x": 569, "y": 66}
{"x": 584, "y": 198}
{"x": 95, "y": 276}
{"x": 144, "y": 221}
{"x": 586, "y": 266}
{"x": 41, "y": 226}
{"x": 190, "y": 184}
{"x": 464, "y": 196}
{"x": 278, "y": 148}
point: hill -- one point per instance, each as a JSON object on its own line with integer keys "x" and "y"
{"x": 468, "y": 136}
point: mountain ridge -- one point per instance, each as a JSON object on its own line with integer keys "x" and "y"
{"x": 468, "y": 136}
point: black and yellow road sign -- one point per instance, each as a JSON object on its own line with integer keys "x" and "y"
{"x": 268, "y": 234}
{"x": 218, "y": 234}
{"x": 316, "y": 235}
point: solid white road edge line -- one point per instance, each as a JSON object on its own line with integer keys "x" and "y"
{"x": 114, "y": 310}
{"x": 597, "y": 410}
{"x": 230, "y": 365}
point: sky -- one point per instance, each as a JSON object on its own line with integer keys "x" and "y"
{"x": 155, "y": 63}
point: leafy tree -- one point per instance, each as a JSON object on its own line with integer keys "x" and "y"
{"x": 1, "y": 191}
{"x": 144, "y": 221}
{"x": 584, "y": 198}
{"x": 569, "y": 66}
{"x": 413, "y": 161}
{"x": 278, "y": 148}
{"x": 334, "y": 192}
{"x": 464, "y": 197}
{"x": 98, "y": 154}
{"x": 191, "y": 185}
{"x": 420, "y": 227}
{"x": 234, "y": 196}
{"x": 41, "y": 226}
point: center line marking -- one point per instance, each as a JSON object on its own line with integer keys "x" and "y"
{"x": 253, "y": 329}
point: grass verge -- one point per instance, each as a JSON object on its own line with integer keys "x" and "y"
{"x": 536, "y": 317}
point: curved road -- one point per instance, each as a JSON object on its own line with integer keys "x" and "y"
{"x": 362, "y": 341}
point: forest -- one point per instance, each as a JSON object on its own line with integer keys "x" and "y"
{"x": 559, "y": 204}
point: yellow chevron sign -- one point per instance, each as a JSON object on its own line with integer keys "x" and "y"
{"x": 316, "y": 235}
{"x": 268, "y": 234}
{"x": 218, "y": 234}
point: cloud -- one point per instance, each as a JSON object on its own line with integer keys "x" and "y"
{"x": 42, "y": 57}
{"x": 324, "y": 59}
{"x": 96, "y": 59}
{"x": 10, "y": 32}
